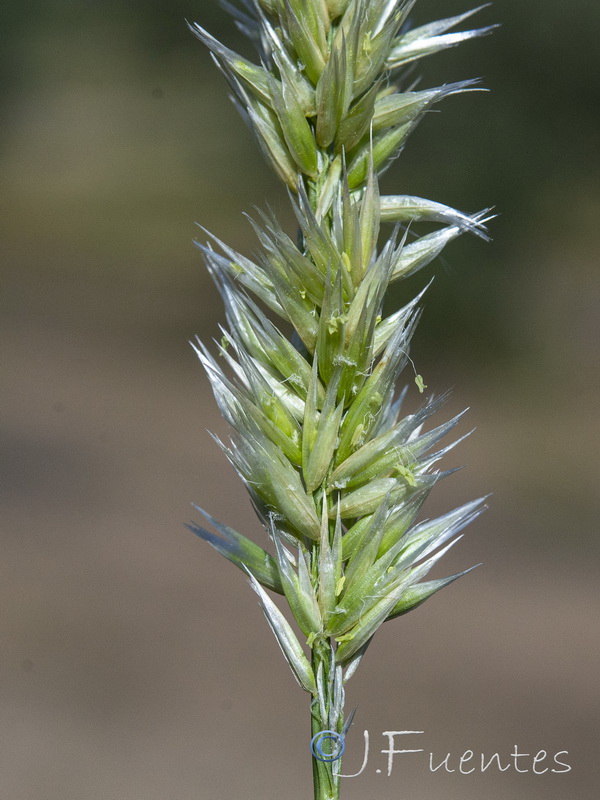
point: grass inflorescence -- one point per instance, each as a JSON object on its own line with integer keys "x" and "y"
{"x": 336, "y": 471}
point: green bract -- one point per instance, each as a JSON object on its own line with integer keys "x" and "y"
{"x": 337, "y": 472}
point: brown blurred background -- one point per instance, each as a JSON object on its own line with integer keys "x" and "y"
{"x": 135, "y": 663}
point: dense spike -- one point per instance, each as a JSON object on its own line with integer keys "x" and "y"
{"x": 308, "y": 366}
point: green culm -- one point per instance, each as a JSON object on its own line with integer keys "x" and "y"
{"x": 336, "y": 472}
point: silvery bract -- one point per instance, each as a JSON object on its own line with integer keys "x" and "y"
{"x": 335, "y": 470}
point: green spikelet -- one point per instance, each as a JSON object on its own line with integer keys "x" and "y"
{"x": 336, "y": 471}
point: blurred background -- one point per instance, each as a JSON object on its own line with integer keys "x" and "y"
{"x": 135, "y": 663}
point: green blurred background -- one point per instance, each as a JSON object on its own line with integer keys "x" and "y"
{"x": 134, "y": 663}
